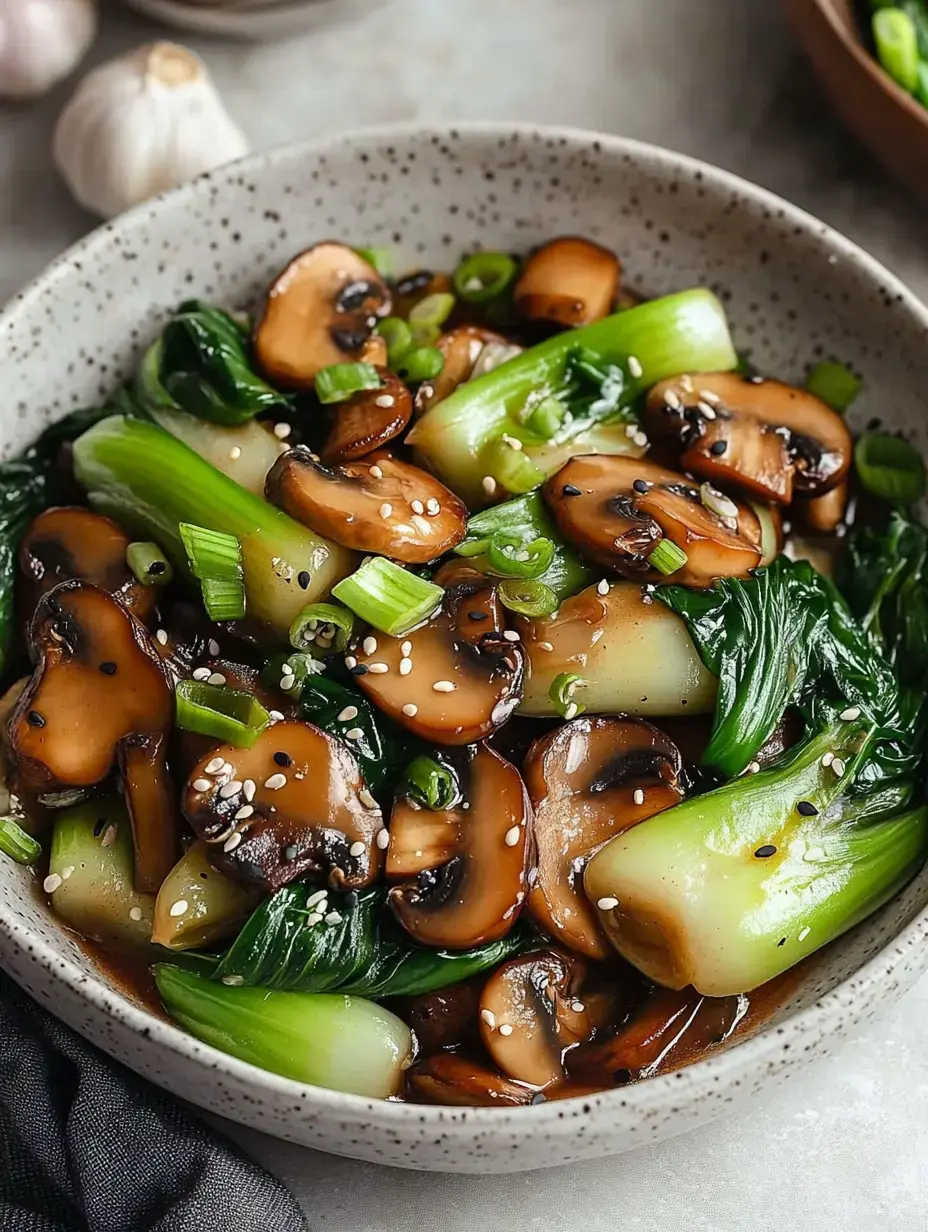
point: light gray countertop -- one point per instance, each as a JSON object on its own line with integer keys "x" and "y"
{"x": 846, "y": 1145}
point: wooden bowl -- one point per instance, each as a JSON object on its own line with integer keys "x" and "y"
{"x": 889, "y": 122}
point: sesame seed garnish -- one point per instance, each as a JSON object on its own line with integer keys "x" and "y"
{"x": 432, "y": 506}
{"x": 804, "y": 932}
{"x": 634, "y": 367}
{"x": 201, "y": 784}
{"x": 570, "y": 489}
{"x": 545, "y": 645}
{"x": 161, "y": 637}
{"x": 607, "y": 904}
{"x": 235, "y": 453}
{"x": 275, "y": 716}
{"x": 360, "y": 669}
{"x": 706, "y": 410}
{"x": 51, "y": 883}
{"x": 410, "y": 710}
{"x": 577, "y": 1006}
{"x": 216, "y": 678}
{"x": 229, "y": 789}
{"x": 234, "y": 981}
{"x": 282, "y": 431}
{"x": 356, "y": 849}
{"x": 378, "y": 669}
{"x": 511, "y": 636}
{"x": 406, "y": 648}
{"x": 234, "y": 838}
{"x": 386, "y": 509}
{"x": 827, "y": 758}
{"x": 717, "y": 502}
{"x": 317, "y": 896}
{"x": 672, "y": 398}
{"x": 313, "y": 918}
{"x": 513, "y": 835}
{"x": 350, "y": 662}
{"x": 505, "y": 1029}
{"x": 67, "y": 871}
{"x": 287, "y": 682}
{"x": 489, "y": 1018}
{"x": 349, "y": 713}
{"x": 201, "y": 673}
{"x": 214, "y": 766}
{"x": 638, "y": 796}
{"x": 248, "y": 789}
{"x": 717, "y": 448}
{"x": 806, "y": 809}
{"x": 512, "y": 441}
{"x": 444, "y": 686}
{"x": 109, "y": 668}
{"x": 641, "y": 440}
{"x": 286, "y": 670}
{"x": 489, "y": 485}
{"x": 370, "y": 645}
{"x": 384, "y": 400}
{"x": 641, "y": 486}
{"x": 354, "y": 733}
{"x": 710, "y": 396}
{"x": 228, "y": 768}
{"x": 275, "y": 782}
{"x": 333, "y": 917}
{"x": 838, "y": 766}
{"x": 852, "y": 712}
{"x": 405, "y": 667}
{"x": 764, "y": 853}
{"x": 213, "y": 647}
{"x": 753, "y": 767}
{"x": 303, "y": 579}
{"x": 179, "y": 907}
{"x": 417, "y": 506}
{"x": 244, "y": 812}
{"x": 602, "y": 587}
{"x": 375, "y": 472}
{"x": 383, "y": 839}
{"x": 283, "y": 759}
{"x": 135, "y": 913}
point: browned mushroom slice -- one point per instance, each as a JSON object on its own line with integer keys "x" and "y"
{"x": 455, "y": 679}
{"x": 461, "y": 350}
{"x": 824, "y": 514}
{"x": 534, "y": 1009}
{"x": 152, "y": 806}
{"x": 377, "y": 504}
{"x": 443, "y": 1019}
{"x": 570, "y": 280}
{"x": 588, "y": 781}
{"x": 368, "y": 420}
{"x": 468, "y": 862}
{"x": 98, "y": 688}
{"x": 762, "y": 437}
{"x": 70, "y": 543}
{"x": 616, "y": 510}
{"x": 450, "y": 1078}
{"x": 321, "y": 310}
{"x": 293, "y": 803}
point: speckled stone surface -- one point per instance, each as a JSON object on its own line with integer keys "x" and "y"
{"x": 845, "y": 1140}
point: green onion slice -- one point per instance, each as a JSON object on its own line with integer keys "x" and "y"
{"x": 223, "y": 600}
{"x": 423, "y": 363}
{"x": 528, "y": 597}
{"x": 216, "y": 560}
{"x": 835, "y": 384}
{"x": 510, "y": 556}
{"x": 546, "y": 418}
{"x": 322, "y": 628}
{"x": 16, "y": 843}
{"x": 390, "y": 598}
{"x": 562, "y": 692}
{"x": 149, "y": 564}
{"x": 430, "y": 784}
{"x": 380, "y": 258}
{"x": 484, "y": 276}
{"x": 667, "y": 558}
{"x": 398, "y": 337}
{"x": 433, "y": 310}
{"x": 339, "y": 382}
{"x": 890, "y": 468}
{"x": 896, "y": 43}
{"x": 230, "y": 715}
{"x": 511, "y": 468}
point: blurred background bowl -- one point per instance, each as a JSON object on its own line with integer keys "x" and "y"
{"x": 887, "y": 120}
{"x": 251, "y": 19}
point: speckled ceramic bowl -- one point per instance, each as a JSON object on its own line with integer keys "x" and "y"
{"x": 796, "y": 292}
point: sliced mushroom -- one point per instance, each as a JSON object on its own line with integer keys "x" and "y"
{"x": 321, "y": 310}
{"x": 455, "y": 679}
{"x": 588, "y": 781}
{"x": 99, "y": 692}
{"x": 294, "y": 803}
{"x": 451, "y": 1078}
{"x": 634, "y": 655}
{"x": 442, "y": 1019}
{"x": 824, "y": 514}
{"x": 617, "y": 510}
{"x": 569, "y": 280}
{"x": 534, "y": 1009}
{"x": 377, "y": 504}
{"x": 462, "y": 350}
{"x": 468, "y": 862}
{"x": 762, "y": 437}
{"x": 368, "y": 420}
{"x": 70, "y": 543}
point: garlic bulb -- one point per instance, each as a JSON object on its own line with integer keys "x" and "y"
{"x": 41, "y": 41}
{"x": 140, "y": 124}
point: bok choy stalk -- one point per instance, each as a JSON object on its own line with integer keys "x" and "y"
{"x": 150, "y": 482}
{"x": 343, "y": 1043}
{"x": 460, "y": 438}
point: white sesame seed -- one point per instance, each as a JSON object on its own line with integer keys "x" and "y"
{"x": 234, "y": 981}
{"x": 852, "y": 712}
{"x": 179, "y": 907}
{"x": 349, "y": 713}
{"x": 162, "y": 637}
{"x": 432, "y": 506}
{"x": 417, "y": 506}
{"x": 804, "y": 932}
{"x": 672, "y": 398}
{"x": 275, "y": 782}
{"x": 607, "y": 904}
{"x": 444, "y": 686}
{"x": 383, "y": 839}
{"x": 602, "y": 587}
{"x": 216, "y": 678}
{"x": 333, "y": 917}
{"x": 375, "y": 472}
{"x": 201, "y": 784}
{"x": 577, "y": 1007}
{"x": 630, "y": 430}
{"x": 505, "y": 1029}
{"x": 710, "y": 396}
{"x": 282, "y": 431}
{"x": 544, "y": 645}
{"x": 571, "y": 710}
{"x": 228, "y": 768}
{"x": 135, "y": 913}
{"x": 686, "y": 382}
{"x": 384, "y": 400}
{"x": 838, "y": 766}
{"x": 410, "y": 710}
{"x": 369, "y": 645}
{"x": 248, "y": 789}
{"x": 201, "y": 673}
{"x": 489, "y": 1018}
{"x": 214, "y": 766}
{"x": 386, "y": 509}
{"x": 213, "y": 647}
{"x": 512, "y": 441}
{"x": 489, "y": 485}
{"x": 511, "y": 636}
{"x": 244, "y": 812}
{"x": 406, "y": 648}
{"x": 275, "y": 716}
{"x": 641, "y": 440}
{"x": 235, "y": 453}
{"x": 51, "y": 883}
{"x": 286, "y": 670}
{"x": 109, "y": 836}
{"x": 754, "y": 767}
{"x": 378, "y": 669}
{"x": 513, "y": 834}
{"x": 234, "y": 838}
{"x": 313, "y": 918}
{"x": 634, "y": 367}
{"x": 638, "y": 796}
{"x": 354, "y": 733}
{"x": 827, "y": 758}
{"x": 229, "y": 789}
{"x": 405, "y": 667}
{"x": 356, "y": 849}
{"x": 287, "y": 682}
{"x": 367, "y": 799}
{"x": 317, "y": 896}
{"x": 350, "y": 662}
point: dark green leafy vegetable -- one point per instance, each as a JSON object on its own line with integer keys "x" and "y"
{"x": 430, "y": 783}
{"x": 361, "y": 954}
{"x": 201, "y": 364}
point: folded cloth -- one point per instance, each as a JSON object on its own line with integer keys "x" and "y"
{"x": 86, "y": 1146}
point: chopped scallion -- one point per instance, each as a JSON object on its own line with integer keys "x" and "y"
{"x": 390, "y": 598}
{"x": 223, "y": 600}
{"x": 433, "y": 310}
{"x": 149, "y": 564}
{"x": 422, "y": 363}
{"x": 430, "y": 784}
{"x": 511, "y": 556}
{"x": 16, "y": 843}
{"x": 890, "y": 468}
{"x": 528, "y": 597}
{"x": 380, "y": 258}
{"x": 339, "y": 382}
{"x": 212, "y": 553}
{"x": 835, "y": 384}
{"x": 484, "y": 276}
{"x": 511, "y": 468}
{"x": 896, "y": 43}
{"x": 562, "y": 690}
{"x": 544, "y": 419}
{"x": 398, "y": 337}
{"x": 230, "y": 715}
{"x": 667, "y": 558}
{"x": 322, "y": 628}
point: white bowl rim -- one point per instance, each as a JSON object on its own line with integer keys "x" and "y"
{"x": 660, "y": 1091}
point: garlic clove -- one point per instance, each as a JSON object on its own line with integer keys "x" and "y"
{"x": 140, "y": 124}
{"x": 41, "y": 41}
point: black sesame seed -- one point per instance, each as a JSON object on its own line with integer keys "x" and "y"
{"x": 358, "y": 670}
{"x": 108, "y": 668}
{"x": 283, "y": 759}
{"x": 806, "y": 809}
{"x": 768, "y": 849}
{"x": 290, "y": 854}
{"x": 782, "y": 941}
{"x": 35, "y": 719}
{"x": 641, "y": 485}
{"x": 156, "y": 568}
{"x": 303, "y": 579}
{"x": 477, "y": 616}
{"x": 570, "y": 489}
{"x": 718, "y": 448}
